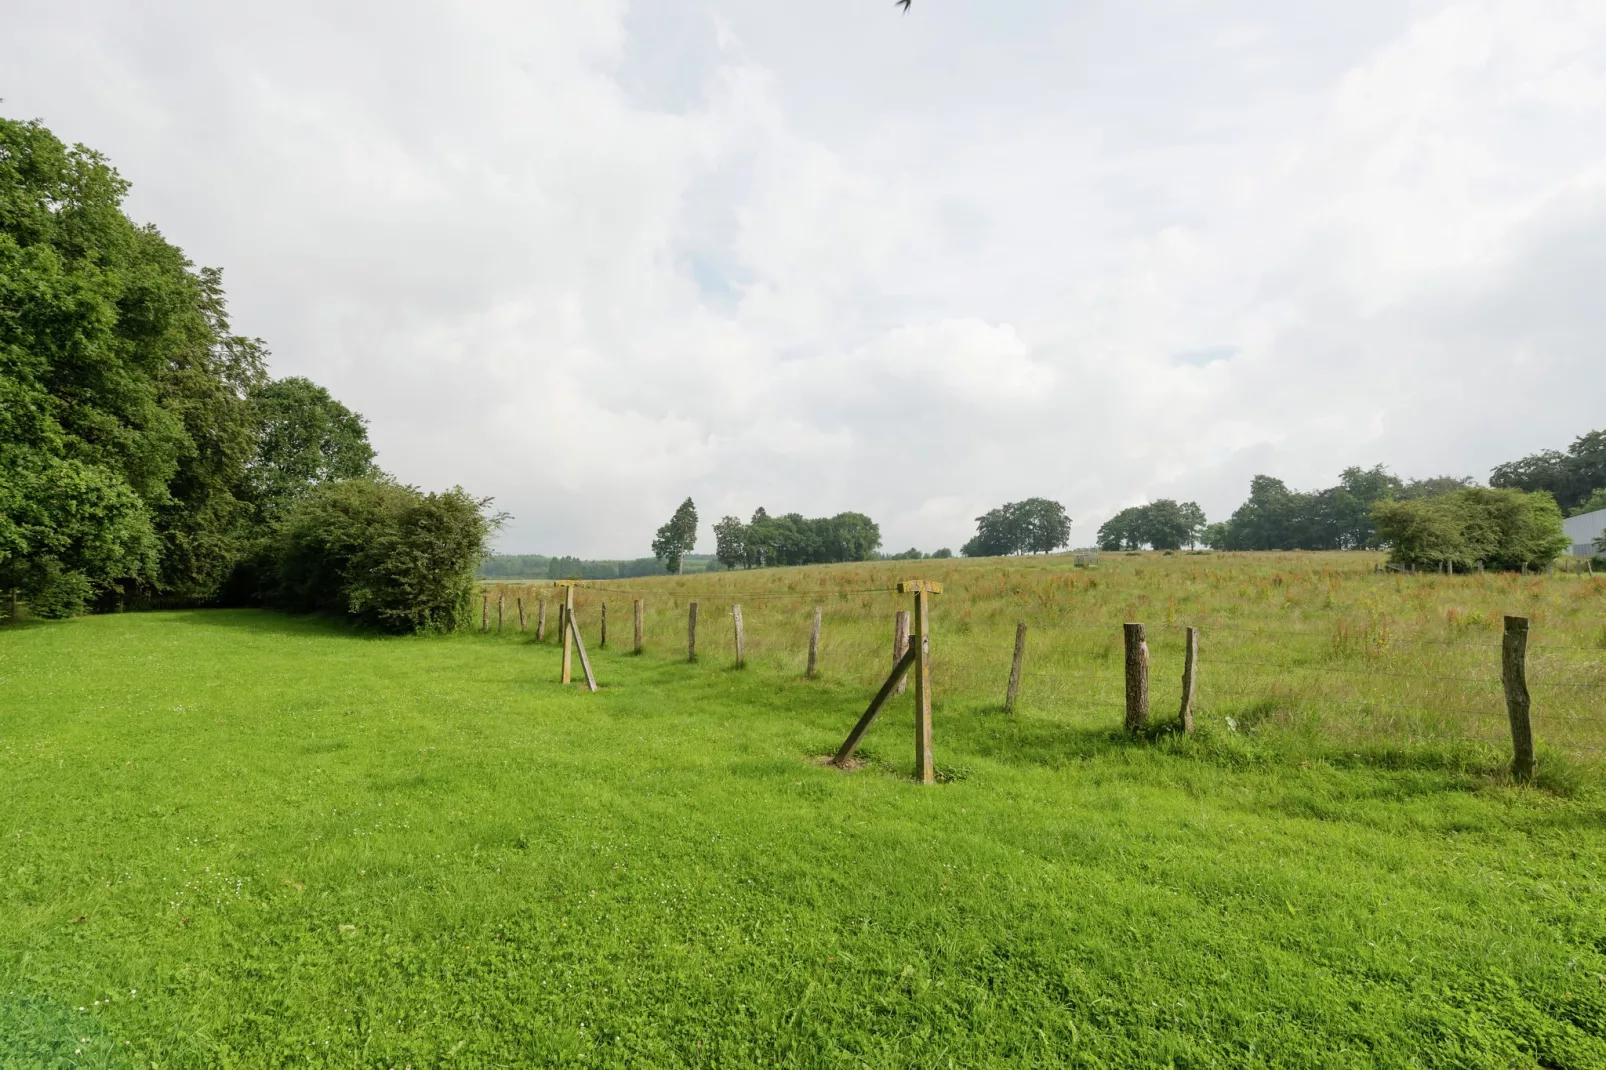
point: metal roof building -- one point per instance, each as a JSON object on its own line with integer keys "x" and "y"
{"x": 1582, "y": 531}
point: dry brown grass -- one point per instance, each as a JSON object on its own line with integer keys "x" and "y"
{"x": 1304, "y": 642}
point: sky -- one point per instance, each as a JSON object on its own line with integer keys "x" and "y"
{"x": 592, "y": 257}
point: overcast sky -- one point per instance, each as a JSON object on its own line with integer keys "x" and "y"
{"x": 591, "y": 257}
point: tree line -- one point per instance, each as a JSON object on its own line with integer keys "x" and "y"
{"x": 146, "y": 455}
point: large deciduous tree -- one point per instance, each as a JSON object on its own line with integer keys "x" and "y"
{"x": 1035, "y": 525}
{"x": 1570, "y": 477}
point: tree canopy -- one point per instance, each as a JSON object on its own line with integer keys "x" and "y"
{"x": 1163, "y": 524}
{"x": 1571, "y": 477}
{"x": 1501, "y": 529}
{"x": 794, "y": 539}
{"x": 145, "y": 455}
{"x": 677, "y": 538}
{"x": 1033, "y": 526}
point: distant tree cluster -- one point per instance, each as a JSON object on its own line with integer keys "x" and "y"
{"x": 1575, "y": 478}
{"x": 794, "y": 539}
{"x": 1033, "y": 526}
{"x": 1337, "y": 518}
{"x": 1500, "y": 529}
{"x": 1161, "y": 525}
{"x": 913, "y": 554}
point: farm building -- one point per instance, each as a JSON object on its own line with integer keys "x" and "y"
{"x": 1583, "y": 530}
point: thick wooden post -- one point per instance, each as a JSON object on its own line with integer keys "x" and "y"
{"x": 741, "y": 655}
{"x": 900, "y": 645}
{"x": 540, "y": 620}
{"x": 485, "y": 612}
{"x": 1514, "y": 674}
{"x": 641, "y": 623}
{"x": 501, "y": 600}
{"x": 603, "y": 640}
{"x": 814, "y": 645}
{"x": 925, "y": 767}
{"x": 691, "y": 632}
{"x": 566, "y": 630}
{"x": 1137, "y": 677}
{"x": 1015, "y": 667}
{"x": 1190, "y": 679}
{"x": 519, "y": 602}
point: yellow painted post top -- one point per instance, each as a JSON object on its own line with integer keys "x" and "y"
{"x": 914, "y": 586}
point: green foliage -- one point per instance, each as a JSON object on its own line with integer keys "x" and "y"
{"x": 1595, "y": 501}
{"x": 1571, "y": 477}
{"x": 943, "y": 553}
{"x": 1337, "y": 518}
{"x": 910, "y": 554}
{"x": 389, "y": 556}
{"x": 1163, "y": 525}
{"x": 1503, "y": 529}
{"x": 676, "y": 538}
{"x": 304, "y": 438}
{"x": 1033, "y": 526}
{"x": 794, "y": 539}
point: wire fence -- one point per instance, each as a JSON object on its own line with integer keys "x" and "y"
{"x": 1358, "y": 680}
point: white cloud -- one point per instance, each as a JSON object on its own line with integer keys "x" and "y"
{"x": 593, "y": 257}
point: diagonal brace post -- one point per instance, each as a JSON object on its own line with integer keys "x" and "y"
{"x": 851, "y": 744}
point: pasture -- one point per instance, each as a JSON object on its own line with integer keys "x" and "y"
{"x": 233, "y": 838}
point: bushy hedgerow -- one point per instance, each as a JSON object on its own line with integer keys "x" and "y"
{"x": 1502, "y": 529}
{"x": 387, "y": 555}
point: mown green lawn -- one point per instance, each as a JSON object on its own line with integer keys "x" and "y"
{"x": 240, "y": 839}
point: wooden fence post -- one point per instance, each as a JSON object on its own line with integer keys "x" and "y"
{"x": 1514, "y": 674}
{"x": 814, "y": 645}
{"x": 900, "y": 645}
{"x": 485, "y": 612}
{"x": 566, "y": 629}
{"x": 501, "y": 600}
{"x": 741, "y": 656}
{"x": 519, "y": 602}
{"x": 691, "y": 632}
{"x": 540, "y": 620}
{"x": 641, "y": 624}
{"x": 849, "y": 745}
{"x": 1015, "y": 667}
{"x": 1137, "y": 677}
{"x": 603, "y": 641}
{"x": 925, "y": 766}
{"x": 1190, "y": 679}
{"x": 580, "y": 648}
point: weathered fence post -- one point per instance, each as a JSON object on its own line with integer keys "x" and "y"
{"x": 1190, "y": 679}
{"x": 1137, "y": 677}
{"x": 566, "y": 628}
{"x": 1015, "y": 667}
{"x": 814, "y": 645}
{"x": 900, "y": 645}
{"x": 1514, "y": 674}
{"x": 580, "y": 648}
{"x": 641, "y": 623}
{"x": 519, "y": 602}
{"x": 691, "y": 632}
{"x": 603, "y": 641}
{"x": 741, "y": 655}
{"x": 485, "y": 612}
{"x": 540, "y": 620}
{"x": 925, "y": 766}
{"x": 501, "y": 600}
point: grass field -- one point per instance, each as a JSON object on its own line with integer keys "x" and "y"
{"x": 240, "y": 839}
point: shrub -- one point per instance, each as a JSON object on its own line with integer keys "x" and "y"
{"x": 1504, "y": 529}
{"x": 387, "y": 555}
